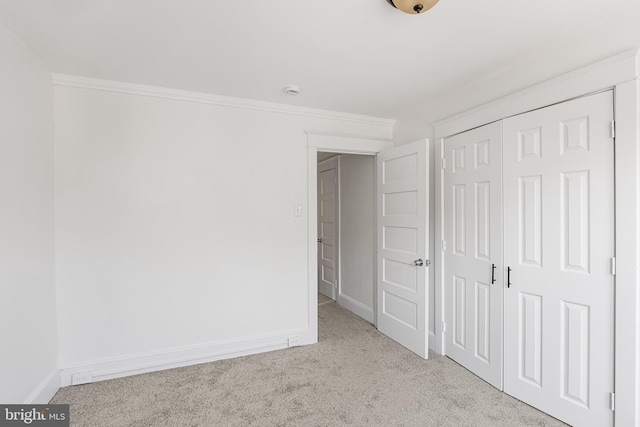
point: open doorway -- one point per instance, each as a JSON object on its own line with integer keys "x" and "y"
{"x": 346, "y": 230}
{"x": 401, "y": 285}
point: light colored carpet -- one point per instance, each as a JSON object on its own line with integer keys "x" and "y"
{"x": 354, "y": 376}
{"x": 323, "y": 299}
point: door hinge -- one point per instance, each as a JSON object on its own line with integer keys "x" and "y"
{"x": 613, "y": 401}
{"x": 613, "y": 266}
{"x": 444, "y": 245}
{"x": 444, "y": 163}
{"x": 444, "y": 326}
{"x": 613, "y": 129}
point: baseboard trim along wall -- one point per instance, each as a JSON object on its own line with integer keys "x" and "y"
{"x": 179, "y": 357}
{"x": 356, "y": 307}
{"x": 45, "y": 391}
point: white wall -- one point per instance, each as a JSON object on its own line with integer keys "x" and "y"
{"x": 29, "y": 349}
{"x": 176, "y": 239}
{"x": 357, "y": 231}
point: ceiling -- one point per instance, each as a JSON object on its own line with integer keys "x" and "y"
{"x": 356, "y": 56}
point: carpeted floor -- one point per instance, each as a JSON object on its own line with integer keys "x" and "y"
{"x": 322, "y": 300}
{"x": 354, "y": 376}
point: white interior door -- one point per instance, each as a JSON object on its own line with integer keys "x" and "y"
{"x": 402, "y": 249}
{"x": 473, "y": 251}
{"x": 559, "y": 244}
{"x": 328, "y": 227}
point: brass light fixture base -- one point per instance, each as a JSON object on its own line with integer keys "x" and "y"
{"x": 413, "y": 7}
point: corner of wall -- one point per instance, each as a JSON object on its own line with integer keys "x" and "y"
{"x": 45, "y": 391}
{"x": 27, "y": 163}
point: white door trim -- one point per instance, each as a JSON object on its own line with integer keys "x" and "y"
{"x": 337, "y": 144}
{"x": 438, "y": 253}
{"x": 622, "y": 73}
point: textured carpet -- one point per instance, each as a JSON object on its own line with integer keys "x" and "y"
{"x": 354, "y": 376}
{"x": 323, "y": 299}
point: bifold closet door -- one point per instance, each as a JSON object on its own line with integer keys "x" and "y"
{"x": 558, "y": 247}
{"x": 473, "y": 251}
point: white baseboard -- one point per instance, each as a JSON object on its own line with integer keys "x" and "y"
{"x": 45, "y": 391}
{"x": 106, "y": 369}
{"x": 356, "y": 307}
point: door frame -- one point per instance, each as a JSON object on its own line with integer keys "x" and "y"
{"x": 336, "y": 144}
{"x": 335, "y": 164}
{"x": 622, "y": 74}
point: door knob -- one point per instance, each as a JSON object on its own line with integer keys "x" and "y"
{"x": 418, "y": 262}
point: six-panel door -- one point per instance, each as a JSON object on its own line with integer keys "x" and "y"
{"x": 559, "y": 243}
{"x": 473, "y": 253}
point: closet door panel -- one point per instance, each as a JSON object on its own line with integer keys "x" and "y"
{"x": 558, "y": 243}
{"x": 473, "y": 289}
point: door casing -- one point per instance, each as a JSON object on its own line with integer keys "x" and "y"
{"x": 335, "y": 144}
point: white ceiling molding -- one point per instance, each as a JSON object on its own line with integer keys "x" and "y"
{"x": 205, "y": 98}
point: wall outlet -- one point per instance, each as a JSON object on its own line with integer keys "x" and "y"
{"x": 81, "y": 378}
{"x": 294, "y": 341}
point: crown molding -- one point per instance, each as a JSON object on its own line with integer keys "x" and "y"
{"x": 206, "y": 98}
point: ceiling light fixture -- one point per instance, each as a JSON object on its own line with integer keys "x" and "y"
{"x": 413, "y": 7}
{"x": 292, "y": 90}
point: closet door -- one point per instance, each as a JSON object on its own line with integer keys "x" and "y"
{"x": 559, "y": 243}
{"x": 473, "y": 251}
